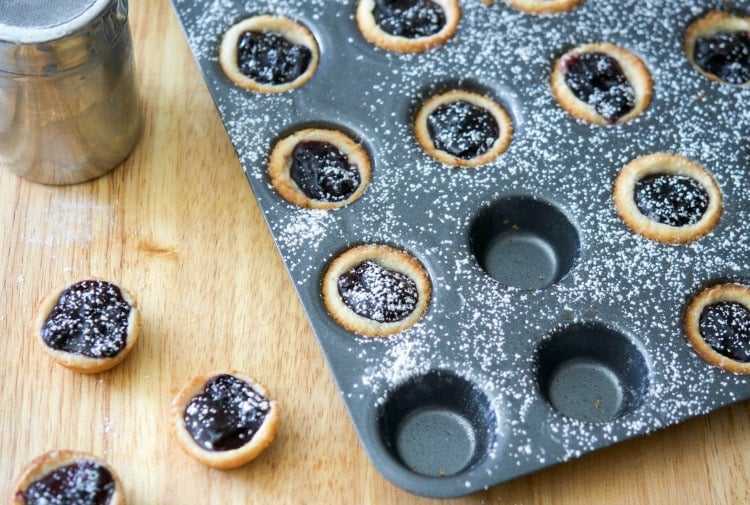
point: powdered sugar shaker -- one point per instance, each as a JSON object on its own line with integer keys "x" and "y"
{"x": 69, "y": 105}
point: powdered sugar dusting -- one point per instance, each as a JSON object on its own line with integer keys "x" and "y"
{"x": 476, "y": 327}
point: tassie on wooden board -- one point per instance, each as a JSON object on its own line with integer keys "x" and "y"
{"x": 710, "y": 24}
{"x": 387, "y": 258}
{"x": 42, "y": 466}
{"x": 223, "y": 459}
{"x": 499, "y": 146}
{"x": 76, "y": 361}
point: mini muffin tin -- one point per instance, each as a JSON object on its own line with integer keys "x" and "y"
{"x": 554, "y": 330}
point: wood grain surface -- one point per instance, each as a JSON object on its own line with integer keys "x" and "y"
{"x": 178, "y": 225}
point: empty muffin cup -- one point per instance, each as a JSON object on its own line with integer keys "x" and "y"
{"x": 524, "y": 242}
{"x": 437, "y": 424}
{"x": 591, "y": 372}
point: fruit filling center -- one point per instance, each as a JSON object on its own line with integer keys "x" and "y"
{"x": 323, "y": 172}
{"x": 463, "y": 129}
{"x": 725, "y": 326}
{"x": 598, "y": 80}
{"x": 410, "y": 19}
{"x": 377, "y": 293}
{"x": 269, "y": 58}
{"x": 90, "y": 318}
{"x": 226, "y": 414}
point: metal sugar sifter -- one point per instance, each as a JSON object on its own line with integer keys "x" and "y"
{"x": 69, "y": 105}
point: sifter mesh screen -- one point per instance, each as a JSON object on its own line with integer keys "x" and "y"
{"x": 38, "y": 14}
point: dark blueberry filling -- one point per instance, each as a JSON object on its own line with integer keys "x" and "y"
{"x": 323, "y": 172}
{"x": 598, "y": 80}
{"x": 725, "y": 326}
{"x": 226, "y": 414}
{"x": 377, "y": 293}
{"x": 80, "y": 483}
{"x": 409, "y": 18}
{"x": 269, "y": 58}
{"x": 725, "y": 55}
{"x": 90, "y": 318}
{"x": 674, "y": 200}
{"x": 463, "y": 129}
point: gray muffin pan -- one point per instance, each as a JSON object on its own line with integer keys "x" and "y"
{"x": 554, "y": 330}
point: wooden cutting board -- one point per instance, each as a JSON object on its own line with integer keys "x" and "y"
{"x": 178, "y": 225}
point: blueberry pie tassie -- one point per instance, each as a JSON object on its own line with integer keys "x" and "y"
{"x": 268, "y": 54}
{"x": 68, "y": 478}
{"x": 224, "y": 419}
{"x": 408, "y": 26}
{"x": 718, "y": 46}
{"x": 667, "y": 198}
{"x": 319, "y": 169}
{"x": 88, "y": 326}
{"x": 543, "y": 6}
{"x": 717, "y": 324}
{"x": 376, "y": 290}
{"x": 602, "y": 83}
{"x": 463, "y": 128}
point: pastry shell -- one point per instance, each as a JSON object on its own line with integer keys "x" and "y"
{"x": 50, "y": 461}
{"x": 290, "y": 30}
{"x": 669, "y": 164}
{"x": 280, "y": 161}
{"x": 79, "y": 362}
{"x": 389, "y": 258}
{"x": 504, "y": 123}
{"x": 374, "y": 34}
{"x": 227, "y": 459}
{"x": 635, "y": 72}
{"x": 720, "y": 293}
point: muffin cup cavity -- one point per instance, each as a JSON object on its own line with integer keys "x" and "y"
{"x": 437, "y": 424}
{"x": 591, "y": 372}
{"x": 525, "y": 243}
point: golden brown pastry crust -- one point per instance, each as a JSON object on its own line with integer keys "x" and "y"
{"x": 280, "y": 161}
{"x": 544, "y": 6}
{"x": 375, "y": 35}
{"x": 504, "y": 123}
{"x": 78, "y": 362}
{"x": 721, "y": 293}
{"x": 672, "y": 164}
{"x": 293, "y": 32}
{"x": 388, "y": 258}
{"x": 634, "y": 69}
{"x": 228, "y": 459}
{"x": 50, "y": 461}
{"x": 712, "y": 23}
